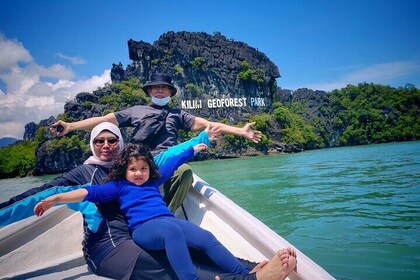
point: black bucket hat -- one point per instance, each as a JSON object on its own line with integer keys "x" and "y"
{"x": 160, "y": 79}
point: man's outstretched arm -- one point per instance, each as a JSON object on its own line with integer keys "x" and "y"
{"x": 245, "y": 131}
{"x": 87, "y": 124}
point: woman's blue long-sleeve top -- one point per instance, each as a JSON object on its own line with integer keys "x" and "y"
{"x": 141, "y": 203}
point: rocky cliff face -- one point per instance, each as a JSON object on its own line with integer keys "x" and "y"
{"x": 30, "y": 129}
{"x": 316, "y": 109}
{"x": 216, "y": 78}
{"x": 57, "y": 161}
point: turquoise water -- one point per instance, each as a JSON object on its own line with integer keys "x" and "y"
{"x": 355, "y": 211}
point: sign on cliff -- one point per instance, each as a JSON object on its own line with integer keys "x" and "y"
{"x": 216, "y": 103}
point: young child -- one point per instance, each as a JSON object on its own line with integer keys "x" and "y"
{"x": 134, "y": 182}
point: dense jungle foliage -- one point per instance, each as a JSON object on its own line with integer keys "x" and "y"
{"x": 369, "y": 113}
{"x": 17, "y": 160}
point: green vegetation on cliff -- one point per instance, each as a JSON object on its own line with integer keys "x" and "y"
{"x": 124, "y": 94}
{"x": 370, "y": 113}
{"x": 67, "y": 143}
{"x": 249, "y": 74}
{"x": 295, "y": 129}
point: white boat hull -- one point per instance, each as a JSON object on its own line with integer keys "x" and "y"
{"x": 50, "y": 247}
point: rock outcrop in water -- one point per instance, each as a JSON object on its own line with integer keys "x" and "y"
{"x": 217, "y": 78}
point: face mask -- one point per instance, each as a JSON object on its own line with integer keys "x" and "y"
{"x": 161, "y": 101}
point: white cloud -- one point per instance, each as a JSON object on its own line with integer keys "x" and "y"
{"x": 383, "y": 73}
{"x": 12, "y": 52}
{"x": 72, "y": 59}
{"x": 28, "y": 98}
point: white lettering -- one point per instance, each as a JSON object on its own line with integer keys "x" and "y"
{"x": 191, "y": 104}
{"x": 235, "y": 102}
{"x": 226, "y": 102}
{"x": 257, "y": 101}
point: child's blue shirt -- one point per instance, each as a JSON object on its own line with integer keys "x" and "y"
{"x": 142, "y": 203}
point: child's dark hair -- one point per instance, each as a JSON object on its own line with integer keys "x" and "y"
{"x": 123, "y": 159}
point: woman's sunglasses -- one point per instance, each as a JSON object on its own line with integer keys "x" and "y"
{"x": 111, "y": 142}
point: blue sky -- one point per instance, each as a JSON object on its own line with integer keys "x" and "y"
{"x": 51, "y": 50}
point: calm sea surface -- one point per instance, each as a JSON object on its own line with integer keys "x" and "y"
{"x": 355, "y": 211}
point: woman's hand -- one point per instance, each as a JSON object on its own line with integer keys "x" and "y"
{"x": 44, "y": 205}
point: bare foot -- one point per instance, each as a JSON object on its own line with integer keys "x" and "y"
{"x": 279, "y": 267}
{"x": 291, "y": 251}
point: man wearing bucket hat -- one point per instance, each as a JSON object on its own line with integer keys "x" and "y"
{"x": 160, "y": 79}
{"x": 157, "y": 126}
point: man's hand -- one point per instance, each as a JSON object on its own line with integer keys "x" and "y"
{"x": 251, "y": 134}
{"x": 60, "y": 128}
